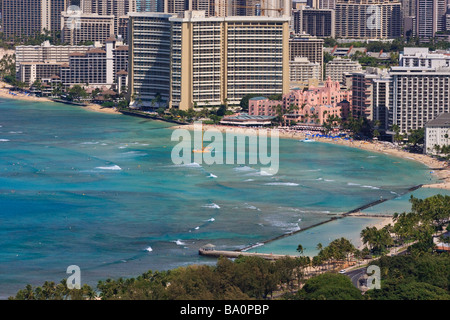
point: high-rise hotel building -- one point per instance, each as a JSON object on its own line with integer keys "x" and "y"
{"x": 28, "y": 17}
{"x": 368, "y": 19}
{"x": 430, "y": 17}
{"x": 220, "y": 60}
{"x": 420, "y": 95}
{"x": 86, "y": 27}
{"x": 116, "y": 8}
{"x": 308, "y": 47}
{"x": 198, "y": 61}
{"x": 149, "y": 40}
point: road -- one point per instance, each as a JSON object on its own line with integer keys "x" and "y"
{"x": 354, "y": 275}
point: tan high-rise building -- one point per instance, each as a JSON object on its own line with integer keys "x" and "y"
{"x": 430, "y": 17}
{"x": 86, "y": 27}
{"x": 219, "y": 60}
{"x": 31, "y": 17}
{"x": 368, "y": 19}
{"x": 116, "y": 8}
{"x": 174, "y": 6}
{"x": 308, "y": 47}
{"x": 268, "y": 8}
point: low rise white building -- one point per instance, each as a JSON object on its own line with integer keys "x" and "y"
{"x": 301, "y": 70}
{"x": 437, "y": 133}
{"x": 421, "y": 57}
{"x": 336, "y": 68}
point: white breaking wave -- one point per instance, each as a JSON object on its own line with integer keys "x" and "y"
{"x": 212, "y": 175}
{"x": 189, "y": 165}
{"x": 211, "y": 220}
{"x": 281, "y": 184}
{"x": 287, "y": 226}
{"x": 15, "y": 132}
{"x": 115, "y": 167}
{"x": 244, "y": 168}
{"x": 90, "y": 142}
{"x": 149, "y": 249}
{"x": 248, "y": 206}
{"x": 137, "y": 153}
{"x": 211, "y": 206}
{"x": 353, "y": 184}
{"x": 370, "y": 187}
{"x": 179, "y": 242}
{"x": 4, "y": 140}
{"x": 265, "y": 173}
{"x": 327, "y": 180}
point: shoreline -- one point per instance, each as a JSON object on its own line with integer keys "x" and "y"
{"x": 440, "y": 169}
{"x": 4, "y": 93}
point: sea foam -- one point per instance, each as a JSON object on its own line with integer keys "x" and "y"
{"x": 291, "y": 184}
{"x": 115, "y": 167}
{"x": 211, "y": 206}
{"x": 371, "y": 187}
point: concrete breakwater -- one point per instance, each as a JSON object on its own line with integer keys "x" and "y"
{"x": 235, "y": 254}
{"x": 209, "y": 251}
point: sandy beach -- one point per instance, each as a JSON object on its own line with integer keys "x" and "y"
{"x": 5, "y": 93}
{"x": 440, "y": 169}
{"x": 99, "y": 108}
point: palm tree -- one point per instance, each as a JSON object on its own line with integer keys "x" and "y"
{"x": 300, "y": 249}
{"x": 319, "y": 246}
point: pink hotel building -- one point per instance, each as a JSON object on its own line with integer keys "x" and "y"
{"x": 312, "y": 104}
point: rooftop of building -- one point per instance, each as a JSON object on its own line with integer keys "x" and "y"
{"x": 443, "y": 120}
{"x": 405, "y": 70}
{"x": 76, "y": 54}
{"x": 96, "y": 50}
{"x": 246, "y": 116}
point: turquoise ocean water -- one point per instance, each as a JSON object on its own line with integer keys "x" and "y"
{"x": 100, "y": 191}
